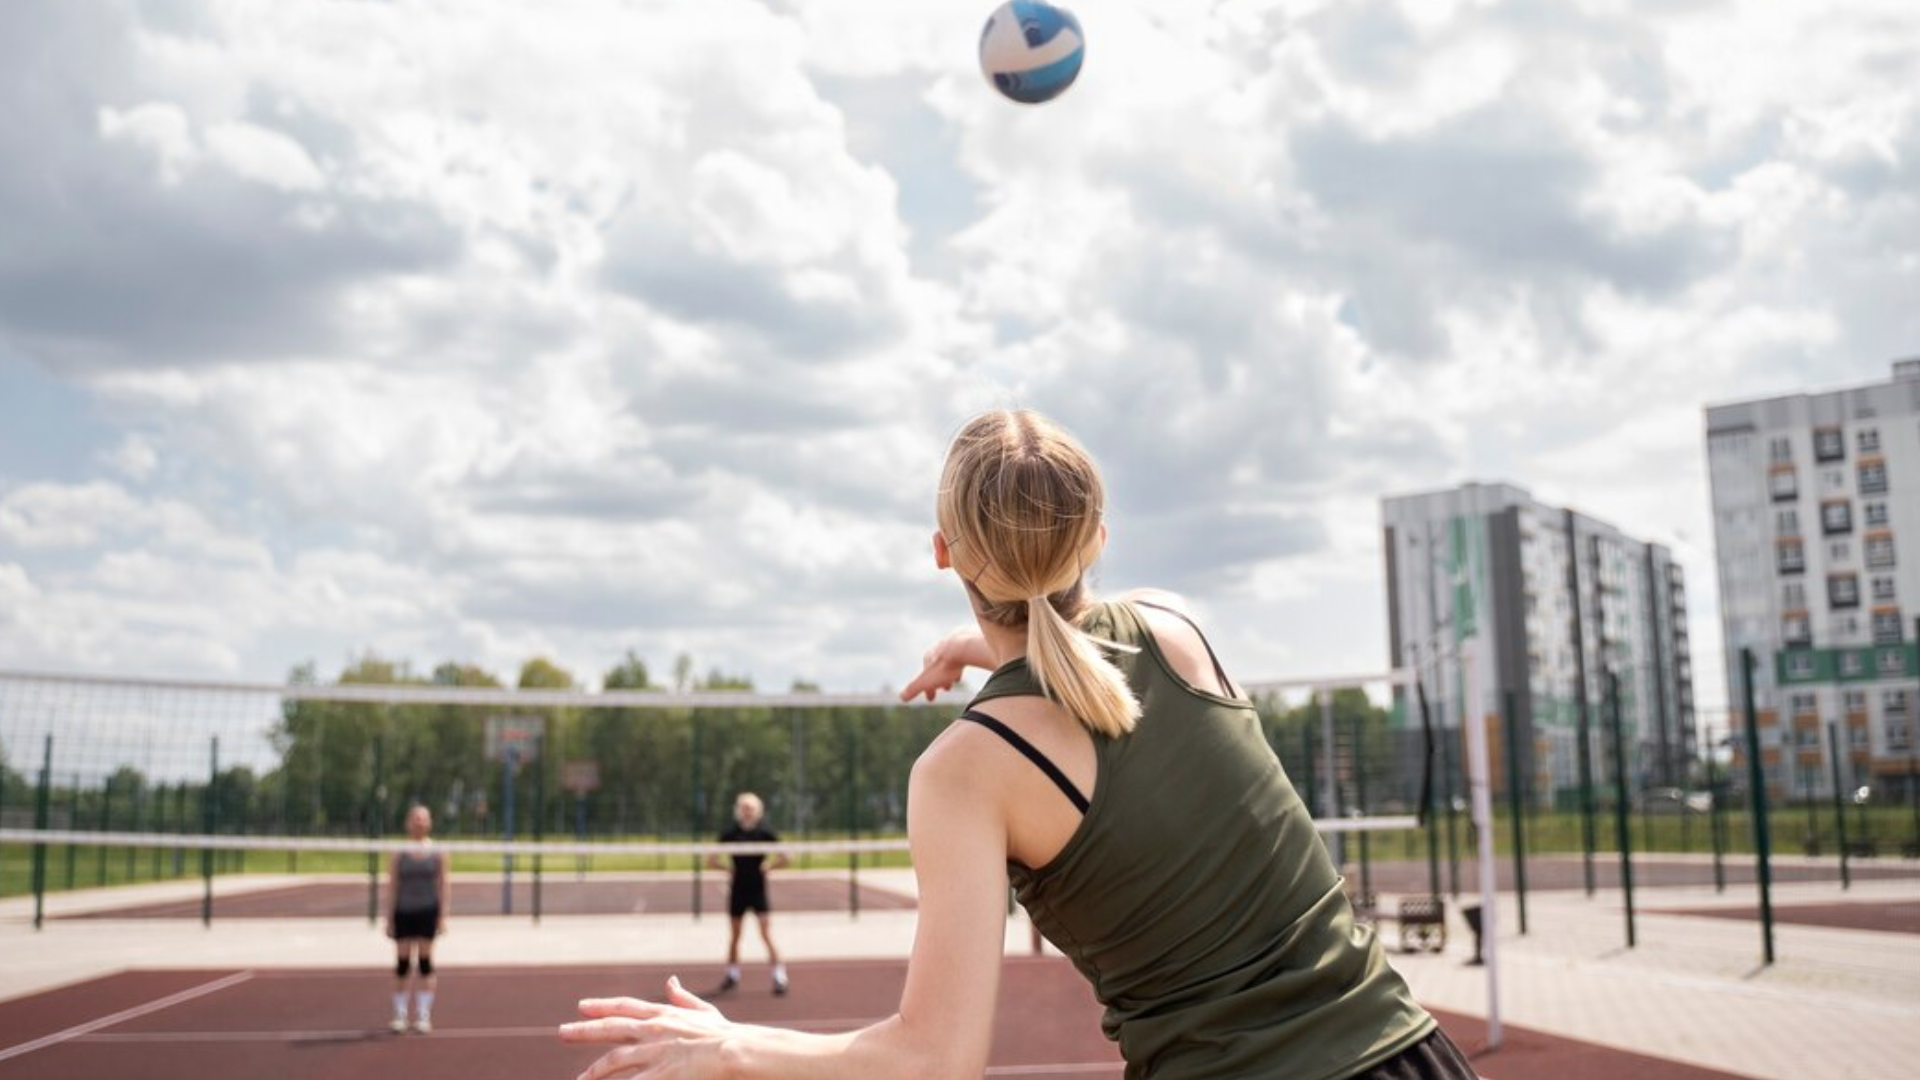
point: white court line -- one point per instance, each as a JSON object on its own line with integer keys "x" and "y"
{"x": 546, "y": 1032}
{"x": 123, "y": 1015}
{"x": 320, "y": 1035}
{"x": 1038, "y": 1070}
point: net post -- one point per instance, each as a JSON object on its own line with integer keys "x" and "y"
{"x": 1757, "y": 807}
{"x": 509, "y": 759}
{"x": 73, "y": 820}
{"x": 1427, "y": 819}
{"x": 42, "y": 809}
{"x": 1716, "y": 814}
{"x": 1360, "y": 798}
{"x": 3, "y": 809}
{"x": 853, "y": 818}
{"x": 376, "y": 806}
{"x": 694, "y": 824}
{"x": 1517, "y": 801}
{"x": 180, "y": 826}
{"x": 209, "y": 818}
{"x": 1621, "y": 829}
{"x": 539, "y": 814}
{"x": 1839, "y": 806}
{"x": 106, "y": 825}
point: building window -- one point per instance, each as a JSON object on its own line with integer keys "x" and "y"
{"x": 1793, "y": 596}
{"x": 1799, "y": 665}
{"x": 1854, "y": 701}
{"x": 1876, "y": 514}
{"x": 1780, "y": 451}
{"x": 1857, "y": 736}
{"x": 1880, "y": 552}
{"x": 1899, "y": 734}
{"x": 1886, "y": 626}
{"x": 1883, "y": 589}
{"x": 1873, "y": 477}
{"x": 1828, "y": 445}
{"x": 1796, "y": 631}
{"x": 1835, "y": 479}
{"x": 1783, "y": 485}
{"x": 1802, "y": 704}
{"x": 1792, "y": 557}
{"x": 1836, "y": 517}
{"x": 1843, "y": 590}
{"x": 1852, "y": 664}
{"x": 1839, "y": 551}
{"x": 1893, "y": 702}
{"x": 1893, "y": 662}
{"x": 1868, "y": 439}
{"x": 1786, "y": 522}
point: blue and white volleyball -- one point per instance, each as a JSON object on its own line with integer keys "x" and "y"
{"x": 1031, "y": 51}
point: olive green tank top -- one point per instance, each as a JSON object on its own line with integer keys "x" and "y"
{"x": 1199, "y": 901}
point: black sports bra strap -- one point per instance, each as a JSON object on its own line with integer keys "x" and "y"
{"x": 1219, "y": 672}
{"x": 1026, "y": 748}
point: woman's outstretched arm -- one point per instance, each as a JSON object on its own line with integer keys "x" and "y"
{"x": 945, "y": 1023}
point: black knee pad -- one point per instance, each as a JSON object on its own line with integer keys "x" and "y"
{"x": 401, "y": 966}
{"x": 426, "y": 965}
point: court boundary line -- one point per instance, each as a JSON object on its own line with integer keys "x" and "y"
{"x": 134, "y": 1013}
{"x": 1053, "y": 1070}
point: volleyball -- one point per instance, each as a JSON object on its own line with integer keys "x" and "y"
{"x": 1031, "y": 51}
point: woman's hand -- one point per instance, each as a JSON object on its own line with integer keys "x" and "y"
{"x": 680, "y": 1037}
{"x": 949, "y": 659}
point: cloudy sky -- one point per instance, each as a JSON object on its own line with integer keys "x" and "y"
{"x": 480, "y": 331}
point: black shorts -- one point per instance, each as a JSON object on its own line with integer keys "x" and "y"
{"x": 424, "y": 923}
{"x": 1432, "y": 1058}
{"x": 748, "y": 894}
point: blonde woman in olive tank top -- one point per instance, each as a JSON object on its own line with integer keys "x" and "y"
{"x": 1112, "y": 770}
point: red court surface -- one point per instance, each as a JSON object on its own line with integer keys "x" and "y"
{"x": 559, "y": 895}
{"x": 1896, "y": 917}
{"x": 499, "y": 1022}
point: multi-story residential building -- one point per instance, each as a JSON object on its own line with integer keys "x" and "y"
{"x": 1556, "y": 600}
{"x": 1813, "y": 496}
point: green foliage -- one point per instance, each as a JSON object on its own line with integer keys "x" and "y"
{"x": 352, "y": 768}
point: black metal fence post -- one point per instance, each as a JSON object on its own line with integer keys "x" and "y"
{"x": 1757, "y": 806}
{"x": 1839, "y": 804}
{"x": 1622, "y": 832}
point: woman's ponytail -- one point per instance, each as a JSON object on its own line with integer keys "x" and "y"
{"x": 1071, "y": 669}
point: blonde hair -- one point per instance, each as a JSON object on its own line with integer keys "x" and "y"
{"x": 1020, "y": 506}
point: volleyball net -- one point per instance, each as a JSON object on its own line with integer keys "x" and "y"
{"x": 571, "y": 799}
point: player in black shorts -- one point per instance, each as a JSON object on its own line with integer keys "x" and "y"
{"x": 748, "y": 889}
{"x": 417, "y": 905}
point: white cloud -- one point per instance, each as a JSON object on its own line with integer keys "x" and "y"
{"x": 475, "y": 329}
{"x": 263, "y": 156}
{"x": 160, "y": 129}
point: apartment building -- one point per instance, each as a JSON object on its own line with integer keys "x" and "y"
{"x": 1557, "y": 600}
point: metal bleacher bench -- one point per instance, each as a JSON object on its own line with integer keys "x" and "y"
{"x": 1422, "y": 919}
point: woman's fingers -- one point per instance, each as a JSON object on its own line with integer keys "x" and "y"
{"x": 619, "y": 1006}
{"x": 607, "y": 1029}
{"x": 686, "y": 999}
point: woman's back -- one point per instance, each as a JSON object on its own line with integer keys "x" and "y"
{"x": 1198, "y": 899}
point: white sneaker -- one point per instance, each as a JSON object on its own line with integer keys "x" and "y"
{"x": 422, "y": 1026}
{"x": 398, "y": 1025}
